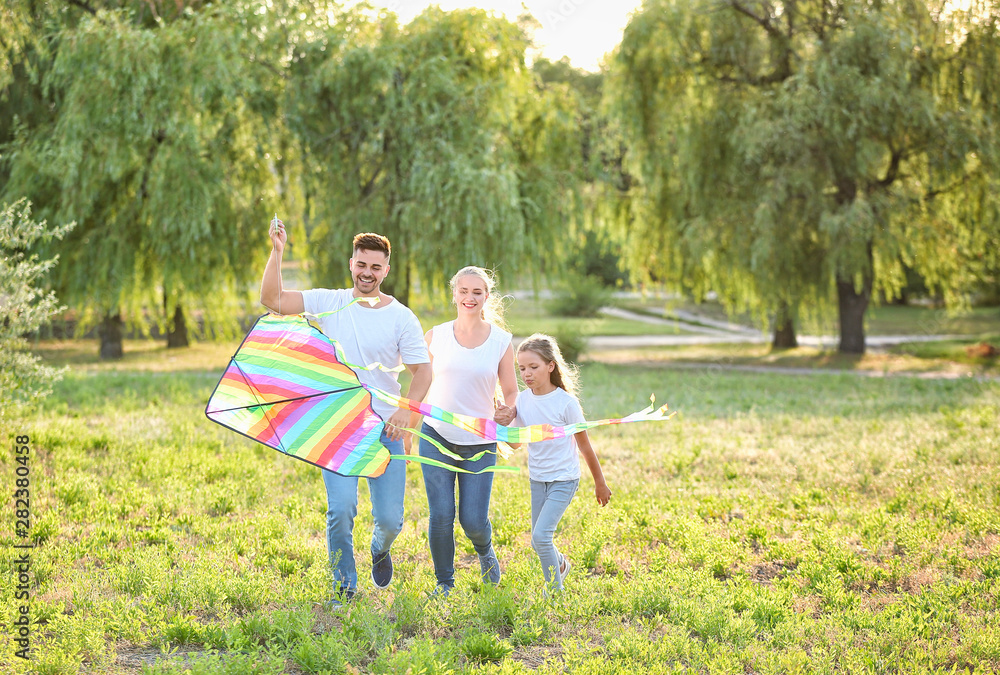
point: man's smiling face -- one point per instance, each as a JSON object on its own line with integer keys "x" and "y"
{"x": 368, "y": 270}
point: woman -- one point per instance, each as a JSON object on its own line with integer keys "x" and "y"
{"x": 469, "y": 356}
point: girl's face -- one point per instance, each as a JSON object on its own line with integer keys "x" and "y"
{"x": 535, "y": 371}
{"x": 470, "y": 294}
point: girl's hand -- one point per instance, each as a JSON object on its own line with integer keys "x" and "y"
{"x": 504, "y": 415}
{"x": 603, "y": 493}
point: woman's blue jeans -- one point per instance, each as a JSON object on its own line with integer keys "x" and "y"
{"x": 342, "y": 506}
{"x": 473, "y": 501}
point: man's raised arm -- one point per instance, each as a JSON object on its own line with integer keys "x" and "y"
{"x": 272, "y": 295}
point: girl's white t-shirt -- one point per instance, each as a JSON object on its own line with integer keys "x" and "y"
{"x": 556, "y": 459}
{"x": 465, "y": 380}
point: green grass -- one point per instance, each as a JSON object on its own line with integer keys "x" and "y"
{"x": 944, "y": 358}
{"x": 977, "y": 322}
{"x": 897, "y": 320}
{"x": 778, "y": 524}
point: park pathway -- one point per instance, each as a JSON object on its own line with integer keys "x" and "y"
{"x": 705, "y": 330}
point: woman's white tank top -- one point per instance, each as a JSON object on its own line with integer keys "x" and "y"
{"x": 465, "y": 380}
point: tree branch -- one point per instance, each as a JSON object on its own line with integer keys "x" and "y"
{"x": 931, "y": 194}
{"x": 272, "y": 68}
{"x": 783, "y": 69}
{"x": 892, "y": 173}
{"x": 763, "y": 22}
{"x": 772, "y": 78}
{"x": 369, "y": 187}
{"x": 84, "y": 6}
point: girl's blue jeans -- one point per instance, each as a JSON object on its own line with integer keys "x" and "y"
{"x": 473, "y": 501}
{"x": 342, "y": 506}
{"x": 549, "y": 502}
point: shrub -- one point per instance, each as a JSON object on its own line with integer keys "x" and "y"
{"x": 580, "y": 296}
{"x": 572, "y": 341}
{"x": 23, "y": 306}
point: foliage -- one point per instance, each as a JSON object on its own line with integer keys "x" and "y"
{"x": 572, "y": 340}
{"x": 599, "y": 256}
{"x": 484, "y": 647}
{"x": 600, "y": 217}
{"x": 790, "y": 150}
{"x": 580, "y": 295}
{"x": 433, "y": 134}
{"x": 23, "y": 305}
{"x": 157, "y": 145}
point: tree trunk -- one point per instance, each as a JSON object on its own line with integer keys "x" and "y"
{"x": 110, "y": 332}
{"x": 852, "y": 305}
{"x": 398, "y": 282}
{"x": 784, "y": 330}
{"x": 177, "y": 334}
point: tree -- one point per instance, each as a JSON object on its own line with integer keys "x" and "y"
{"x": 23, "y": 305}
{"x": 793, "y": 152}
{"x": 158, "y": 148}
{"x": 433, "y": 134}
{"x": 601, "y": 177}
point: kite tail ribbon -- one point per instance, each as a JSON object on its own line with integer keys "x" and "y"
{"x": 491, "y": 431}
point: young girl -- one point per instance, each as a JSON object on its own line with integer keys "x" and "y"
{"x": 553, "y": 466}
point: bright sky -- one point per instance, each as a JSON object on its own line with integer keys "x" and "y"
{"x": 583, "y": 30}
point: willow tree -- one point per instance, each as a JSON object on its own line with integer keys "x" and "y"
{"x": 794, "y": 152}
{"x": 157, "y": 148}
{"x": 433, "y": 134}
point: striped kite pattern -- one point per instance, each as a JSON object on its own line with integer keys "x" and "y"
{"x": 286, "y": 388}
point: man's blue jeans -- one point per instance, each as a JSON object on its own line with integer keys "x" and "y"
{"x": 342, "y": 506}
{"x": 473, "y": 501}
{"x": 549, "y": 502}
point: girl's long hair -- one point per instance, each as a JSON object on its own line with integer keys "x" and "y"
{"x": 563, "y": 375}
{"x": 493, "y": 308}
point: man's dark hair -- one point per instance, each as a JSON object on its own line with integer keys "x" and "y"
{"x": 369, "y": 241}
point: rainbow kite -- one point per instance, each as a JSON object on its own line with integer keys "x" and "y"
{"x": 289, "y": 387}
{"x": 285, "y": 388}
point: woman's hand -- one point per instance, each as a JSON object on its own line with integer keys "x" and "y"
{"x": 504, "y": 415}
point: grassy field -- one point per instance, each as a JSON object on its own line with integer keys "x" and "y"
{"x": 944, "y": 358}
{"x": 977, "y": 322}
{"x": 778, "y": 524}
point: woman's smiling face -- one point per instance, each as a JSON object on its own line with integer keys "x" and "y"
{"x": 470, "y": 294}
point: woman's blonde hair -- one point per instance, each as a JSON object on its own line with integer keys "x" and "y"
{"x": 493, "y": 308}
{"x": 563, "y": 375}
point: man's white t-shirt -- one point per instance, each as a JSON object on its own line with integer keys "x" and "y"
{"x": 465, "y": 380}
{"x": 556, "y": 459}
{"x": 390, "y": 335}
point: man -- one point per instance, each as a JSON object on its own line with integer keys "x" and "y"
{"x": 386, "y": 332}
